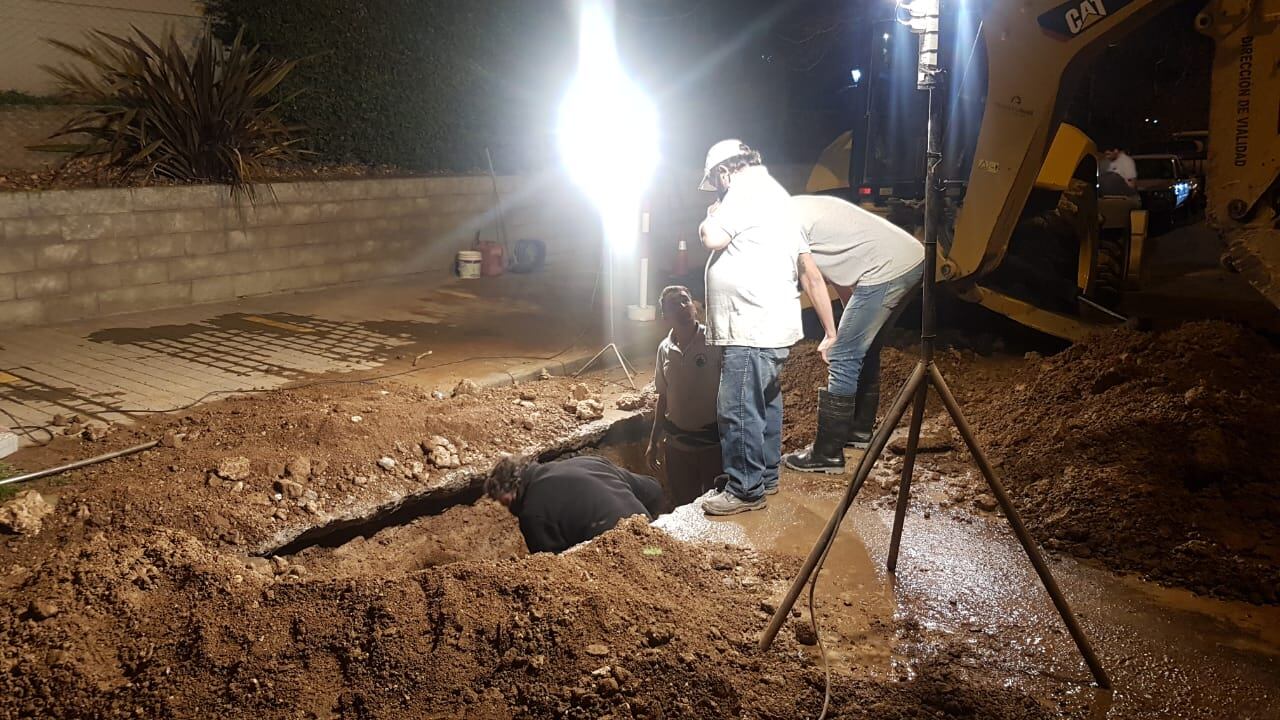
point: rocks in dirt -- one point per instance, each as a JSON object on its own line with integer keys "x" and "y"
{"x": 528, "y": 396}
{"x": 25, "y": 513}
{"x": 589, "y": 410}
{"x": 597, "y": 650}
{"x": 94, "y": 432}
{"x": 441, "y": 452}
{"x": 804, "y": 633}
{"x": 172, "y": 439}
{"x": 289, "y": 488}
{"x": 386, "y": 463}
{"x": 234, "y": 468}
{"x": 438, "y": 395}
{"x": 357, "y": 418}
{"x": 279, "y": 565}
{"x": 630, "y": 402}
{"x": 659, "y": 635}
{"x": 466, "y": 386}
{"x": 579, "y": 391}
{"x": 42, "y": 609}
{"x": 418, "y": 471}
{"x": 298, "y": 467}
{"x": 985, "y": 503}
{"x": 935, "y": 437}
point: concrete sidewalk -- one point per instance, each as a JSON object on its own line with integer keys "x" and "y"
{"x": 115, "y": 369}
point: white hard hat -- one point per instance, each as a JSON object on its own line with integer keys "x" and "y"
{"x": 718, "y": 153}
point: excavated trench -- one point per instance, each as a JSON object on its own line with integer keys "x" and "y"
{"x": 622, "y": 441}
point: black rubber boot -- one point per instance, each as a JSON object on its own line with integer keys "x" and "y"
{"x": 835, "y": 418}
{"x": 864, "y": 417}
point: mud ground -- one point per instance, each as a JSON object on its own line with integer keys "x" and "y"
{"x": 1154, "y": 453}
{"x": 151, "y": 588}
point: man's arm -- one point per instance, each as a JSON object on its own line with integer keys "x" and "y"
{"x": 647, "y": 491}
{"x": 655, "y": 436}
{"x": 714, "y": 237}
{"x": 815, "y": 286}
{"x": 540, "y": 535}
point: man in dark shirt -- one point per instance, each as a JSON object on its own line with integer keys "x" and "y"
{"x": 566, "y": 502}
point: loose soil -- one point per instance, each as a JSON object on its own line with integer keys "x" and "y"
{"x": 1156, "y": 453}
{"x": 141, "y": 596}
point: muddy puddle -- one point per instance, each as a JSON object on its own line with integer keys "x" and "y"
{"x": 963, "y": 590}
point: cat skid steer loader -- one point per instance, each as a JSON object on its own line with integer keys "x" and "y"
{"x": 1026, "y": 234}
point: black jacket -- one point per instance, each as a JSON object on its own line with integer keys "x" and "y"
{"x": 566, "y": 502}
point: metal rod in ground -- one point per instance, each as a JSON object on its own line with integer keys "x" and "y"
{"x": 878, "y": 442}
{"x": 79, "y": 463}
{"x": 1020, "y": 530}
{"x": 908, "y": 467}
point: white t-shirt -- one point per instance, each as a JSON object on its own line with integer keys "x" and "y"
{"x": 753, "y": 283}
{"x": 1123, "y": 166}
{"x": 852, "y": 246}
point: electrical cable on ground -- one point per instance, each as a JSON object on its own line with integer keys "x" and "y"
{"x": 817, "y": 633}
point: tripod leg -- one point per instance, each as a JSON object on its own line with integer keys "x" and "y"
{"x": 625, "y": 368}
{"x": 1020, "y": 530}
{"x": 878, "y": 441}
{"x": 593, "y": 359}
{"x": 908, "y": 467}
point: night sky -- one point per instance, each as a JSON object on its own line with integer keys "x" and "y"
{"x": 777, "y": 74}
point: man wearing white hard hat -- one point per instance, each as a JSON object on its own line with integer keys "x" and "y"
{"x": 757, "y": 265}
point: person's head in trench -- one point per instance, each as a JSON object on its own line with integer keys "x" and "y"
{"x": 679, "y": 310}
{"x": 724, "y": 160}
{"x": 503, "y": 483}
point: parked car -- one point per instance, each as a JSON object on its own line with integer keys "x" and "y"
{"x": 1168, "y": 191}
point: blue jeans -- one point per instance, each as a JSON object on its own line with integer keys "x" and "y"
{"x": 855, "y": 356}
{"x": 750, "y": 417}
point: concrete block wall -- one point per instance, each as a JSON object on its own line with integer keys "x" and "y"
{"x": 78, "y": 254}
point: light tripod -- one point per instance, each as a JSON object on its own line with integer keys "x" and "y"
{"x": 915, "y": 391}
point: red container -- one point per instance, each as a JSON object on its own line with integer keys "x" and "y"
{"x": 492, "y": 258}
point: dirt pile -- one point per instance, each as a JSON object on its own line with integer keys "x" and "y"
{"x": 1158, "y": 452}
{"x": 634, "y": 625}
{"x": 248, "y": 470}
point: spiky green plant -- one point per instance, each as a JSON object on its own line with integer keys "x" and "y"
{"x": 157, "y": 111}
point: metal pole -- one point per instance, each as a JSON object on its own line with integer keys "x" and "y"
{"x": 908, "y": 467}
{"x": 932, "y": 214}
{"x": 79, "y": 463}
{"x": 1020, "y": 530}
{"x": 878, "y": 441}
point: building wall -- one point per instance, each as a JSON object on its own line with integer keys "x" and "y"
{"x": 77, "y": 254}
{"x": 25, "y": 25}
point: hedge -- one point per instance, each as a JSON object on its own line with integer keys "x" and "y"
{"x": 421, "y": 84}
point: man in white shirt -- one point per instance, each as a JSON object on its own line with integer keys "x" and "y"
{"x": 876, "y": 267}
{"x": 1118, "y": 161}
{"x": 685, "y": 441}
{"x": 753, "y": 276}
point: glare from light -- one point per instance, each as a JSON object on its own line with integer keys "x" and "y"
{"x": 608, "y": 130}
{"x": 885, "y": 37}
{"x": 856, "y": 74}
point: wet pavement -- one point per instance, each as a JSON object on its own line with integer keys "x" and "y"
{"x": 965, "y": 591}
{"x": 425, "y": 332}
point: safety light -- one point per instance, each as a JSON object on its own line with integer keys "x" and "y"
{"x": 856, "y": 74}
{"x": 608, "y": 129}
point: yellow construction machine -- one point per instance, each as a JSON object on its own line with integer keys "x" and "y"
{"x": 1026, "y": 234}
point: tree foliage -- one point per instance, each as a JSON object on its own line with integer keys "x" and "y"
{"x": 424, "y": 84}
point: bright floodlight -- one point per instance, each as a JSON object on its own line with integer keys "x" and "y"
{"x": 608, "y": 129}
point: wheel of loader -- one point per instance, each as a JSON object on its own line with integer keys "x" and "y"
{"x": 1044, "y": 251}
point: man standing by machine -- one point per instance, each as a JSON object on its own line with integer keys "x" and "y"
{"x": 1116, "y": 160}
{"x": 566, "y": 502}
{"x": 876, "y": 267}
{"x": 685, "y": 441}
{"x": 753, "y": 275}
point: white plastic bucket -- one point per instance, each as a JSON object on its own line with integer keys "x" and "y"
{"x": 468, "y": 264}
